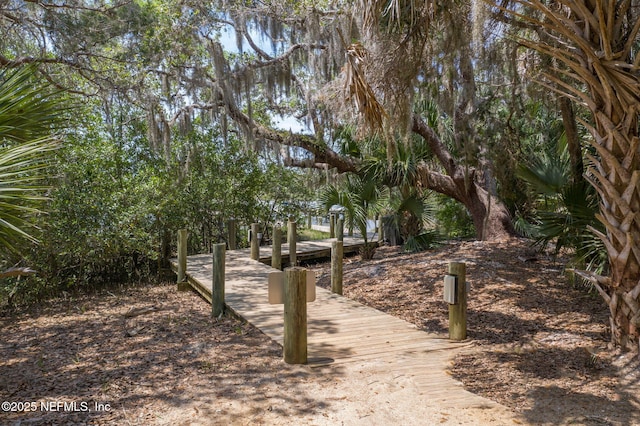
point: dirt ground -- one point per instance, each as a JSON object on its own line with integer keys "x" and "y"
{"x": 539, "y": 340}
{"x": 151, "y": 355}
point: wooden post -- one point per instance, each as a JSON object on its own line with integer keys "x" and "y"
{"x": 337, "y": 252}
{"x": 217, "y": 298}
{"x": 340, "y": 229}
{"x": 458, "y": 312}
{"x": 255, "y": 247}
{"x": 332, "y": 225}
{"x": 231, "y": 230}
{"x": 276, "y": 248}
{"x": 182, "y": 260}
{"x": 295, "y": 316}
{"x": 380, "y": 230}
{"x": 291, "y": 240}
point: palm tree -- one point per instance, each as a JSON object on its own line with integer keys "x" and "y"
{"x": 29, "y": 112}
{"x": 401, "y": 174}
{"x": 595, "y": 62}
{"x": 566, "y": 208}
{"x": 361, "y": 199}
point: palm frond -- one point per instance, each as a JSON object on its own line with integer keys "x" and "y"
{"x": 359, "y": 91}
{"x": 424, "y": 241}
{"x": 547, "y": 174}
{"x": 29, "y": 114}
{"x": 397, "y": 16}
{"x": 402, "y": 171}
{"x": 21, "y": 190}
{"x": 29, "y": 109}
{"x": 361, "y": 198}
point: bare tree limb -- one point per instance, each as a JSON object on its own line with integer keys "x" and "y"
{"x": 16, "y": 272}
{"x": 435, "y": 143}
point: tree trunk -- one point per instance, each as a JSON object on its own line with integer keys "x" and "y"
{"x": 602, "y": 65}
{"x": 573, "y": 140}
{"x": 616, "y": 177}
{"x": 490, "y": 216}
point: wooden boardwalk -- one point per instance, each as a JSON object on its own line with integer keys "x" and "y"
{"x": 309, "y": 250}
{"x": 342, "y": 331}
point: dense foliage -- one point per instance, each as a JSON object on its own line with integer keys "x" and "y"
{"x": 114, "y": 207}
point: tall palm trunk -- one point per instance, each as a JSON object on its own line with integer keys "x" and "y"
{"x": 598, "y": 66}
{"x": 616, "y": 176}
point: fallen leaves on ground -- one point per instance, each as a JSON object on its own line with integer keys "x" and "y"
{"x": 140, "y": 355}
{"x": 153, "y": 355}
{"x": 540, "y": 340}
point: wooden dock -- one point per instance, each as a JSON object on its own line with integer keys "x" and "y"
{"x": 342, "y": 331}
{"x": 310, "y": 250}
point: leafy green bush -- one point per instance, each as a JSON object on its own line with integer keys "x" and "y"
{"x": 115, "y": 205}
{"x": 453, "y": 220}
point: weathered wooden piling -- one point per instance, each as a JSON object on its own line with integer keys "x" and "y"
{"x": 217, "y": 297}
{"x": 340, "y": 229}
{"x": 182, "y": 260}
{"x": 276, "y": 248}
{"x": 332, "y": 225}
{"x": 337, "y": 252}
{"x": 231, "y": 231}
{"x": 291, "y": 240}
{"x": 295, "y": 316}
{"x": 255, "y": 246}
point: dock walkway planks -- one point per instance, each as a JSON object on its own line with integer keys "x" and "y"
{"x": 342, "y": 331}
{"x": 309, "y": 250}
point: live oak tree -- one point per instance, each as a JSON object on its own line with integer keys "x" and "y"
{"x": 167, "y": 58}
{"x": 423, "y": 52}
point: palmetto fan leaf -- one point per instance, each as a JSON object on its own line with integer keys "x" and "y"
{"x": 402, "y": 171}
{"x": 20, "y": 189}
{"x": 360, "y": 197}
{"x": 569, "y": 224}
{"x": 28, "y": 110}
{"x": 355, "y": 214}
{"x": 420, "y": 206}
{"x": 548, "y": 173}
{"x": 570, "y": 207}
{"x": 28, "y": 114}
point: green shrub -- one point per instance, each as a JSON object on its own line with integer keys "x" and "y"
{"x": 453, "y": 220}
